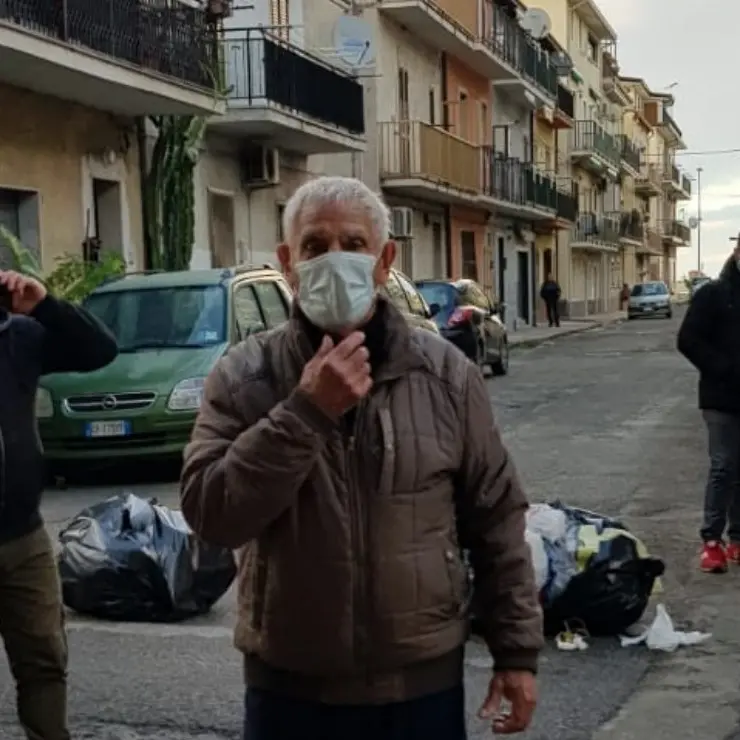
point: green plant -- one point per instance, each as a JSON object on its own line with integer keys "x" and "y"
{"x": 72, "y": 279}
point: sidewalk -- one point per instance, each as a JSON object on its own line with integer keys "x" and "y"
{"x": 531, "y": 336}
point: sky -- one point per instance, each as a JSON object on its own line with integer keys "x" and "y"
{"x": 695, "y": 45}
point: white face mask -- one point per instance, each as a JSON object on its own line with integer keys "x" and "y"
{"x": 337, "y": 289}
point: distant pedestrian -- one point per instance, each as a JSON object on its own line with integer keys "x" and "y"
{"x": 38, "y": 335}
{"x": 624, "y": 296}
{"x": 550, "y": 294}
{"x": 306, "y": 454}
{"x": 710, "y": 338}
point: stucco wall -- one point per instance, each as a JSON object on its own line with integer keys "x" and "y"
{"x": 50, "y": 146}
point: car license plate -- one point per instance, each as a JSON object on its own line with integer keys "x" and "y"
{"x": 648, "y": 308}
{"x": 108, "y": 429}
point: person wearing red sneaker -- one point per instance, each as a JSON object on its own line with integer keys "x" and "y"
{"x": 710, "y": 339}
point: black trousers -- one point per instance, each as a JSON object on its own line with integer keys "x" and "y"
{"x": 270, "y": 716}
{"x": 553, "y": 314}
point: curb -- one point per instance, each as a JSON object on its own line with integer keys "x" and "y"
{"x": 587, "y": 326}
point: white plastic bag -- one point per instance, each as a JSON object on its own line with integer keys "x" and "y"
{"x": 662, "y": 635}
{"x": 550, "y": 523}
{"x": 540, "y": 560}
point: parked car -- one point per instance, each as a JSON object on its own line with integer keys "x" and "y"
{"x": 466, "y": 317}
{"x": 650, "y": 299}
{"x": 171, "y": 328}
{"x": 407, "y": 298}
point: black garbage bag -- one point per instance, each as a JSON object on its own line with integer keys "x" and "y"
{"x": 128, "y": 559}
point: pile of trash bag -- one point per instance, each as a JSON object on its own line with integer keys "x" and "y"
{"x": 129, "y": 559}
{"x": 591, "y": 571}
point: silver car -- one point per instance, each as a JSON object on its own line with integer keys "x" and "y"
{"x": 650, "y": 299}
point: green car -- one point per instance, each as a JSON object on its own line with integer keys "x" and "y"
{"x": 171, "y": 329}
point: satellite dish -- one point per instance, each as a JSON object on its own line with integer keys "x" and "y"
{"x": 536, "y": 22}
{"x": 693, "y": 222}
{"x": 353, "y": 41}
{"x": 563, "y": 63}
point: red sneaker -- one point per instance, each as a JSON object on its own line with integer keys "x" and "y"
{"x": 713, "y": 558}
{"x": 733, "y": 553}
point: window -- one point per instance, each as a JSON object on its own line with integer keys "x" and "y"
{"x": 19, "y": 214}
{"x": 415, "y": 300}
{"x": 592, "y": 49}
{"x": 483, "y": 133}
{"x": 403, "y": 94}
{"x": 462, "y": 116}
{"x": 279, "y": 16}
{"x": 444, "y": 295}
{"x": 432, "y": 107}
{"x": 280, "y": 233}
{"x": 395, "y": 293}
{"x": 649, "y": 289}
{"x": 161, "y": 318}
{"x": 274, "y": 308}
{"x": 247, "y": 311}
{"x": 469, "y": 260}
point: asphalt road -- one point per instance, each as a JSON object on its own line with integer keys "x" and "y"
{"x": 606, "y": 420}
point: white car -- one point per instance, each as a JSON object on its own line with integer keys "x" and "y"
{"x": 649, "y": 300}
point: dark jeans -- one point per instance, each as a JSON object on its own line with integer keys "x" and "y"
{"x": 270, "y": 716}
{"x": 553, "y": 314}
{"x": 722, "y": 497}
{"x": 32, "y": 628}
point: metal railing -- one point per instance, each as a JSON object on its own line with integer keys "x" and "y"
{"x": 414, "y": 149}
{"x": 566, "y": 102}
{"x": 673, "y": 228}
{"x": 163, "y": 36}
{"x": 567, "y": 206}
{"x": 514, "y": 181}
{"x": 262, "y": 69}
{"x": 650, "y": 174}
{"x": 596, "y": 228}
{"x": 686, "y": 184}
{"x": 631, "y": 224}
{"x": 630, "y": 153}
{"x": 671, "y": 174}
{"x": 589, "y": 136}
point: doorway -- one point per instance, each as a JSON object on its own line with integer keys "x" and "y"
{"x": 222, "y": 239}
{"x": 106, "y": 219}
{"x": 437, "y": 257}
{"x": 523, "y": 284}
{"x": 469, "y": 257}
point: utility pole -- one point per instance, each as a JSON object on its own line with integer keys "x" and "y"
{"x": 699, "y": 170}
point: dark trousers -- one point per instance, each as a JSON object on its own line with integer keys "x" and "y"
{"x": 270, "y": 716}
{"x": 553, "y": 314}
{"x": 32, "y": 628}
{"x": 722, "y": 497}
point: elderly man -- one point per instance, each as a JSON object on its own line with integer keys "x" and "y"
{"x": 351, "y": 458}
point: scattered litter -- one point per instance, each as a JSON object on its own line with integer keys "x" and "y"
{"x": 662, "y": 635}
{"x": 572, "y": 638}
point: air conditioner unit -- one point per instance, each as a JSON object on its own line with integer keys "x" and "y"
{"x": 402, "y": 222}
{"x": 260, "y": 166}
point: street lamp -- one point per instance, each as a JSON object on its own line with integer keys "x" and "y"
{"x": 699, "y": 170}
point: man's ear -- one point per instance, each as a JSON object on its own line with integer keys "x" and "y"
{"x": 286, "y": 262}
{"x": 385, "y": 261}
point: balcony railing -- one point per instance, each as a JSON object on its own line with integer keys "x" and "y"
{"x": 264, "y": 70}
{"x": 511, "y": 180}
{"x": 417, "y": 150}
{"x": 589, "y": 136}
{"x": 678, "y": 230}
{"x": 654, "y": 240}
{"x": 672, "y": 174}
{"x": 163, "y": 36}
{"x": 567, "y": 206}
{"x": 650, "y": 174}
{"x": 685, "y": 184}
{"x": 631, "y": 224}
{"x": 565, "y": 101}
{"x": 630, "y": 153}
{"x": 536, "y": 65}
{"x": 596, "y": 228}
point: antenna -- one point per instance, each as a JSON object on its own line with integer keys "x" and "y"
{"x": 353, "y": 41}
{"x": 536, "y": 22}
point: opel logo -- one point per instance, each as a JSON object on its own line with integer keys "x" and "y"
{"x": 109, "y": 403}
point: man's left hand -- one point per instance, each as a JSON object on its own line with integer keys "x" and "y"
{"x": 519, "y": 688}
{"x": 25, "y": 292}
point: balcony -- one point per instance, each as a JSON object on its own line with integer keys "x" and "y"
{"x": 653, "y": 244}
{"x": 677, "y": 233}
{"x": 649, "y": 181}
{"x": 280, "y": 95}
{"x": 419, "y": 160}
{"x": 671, "y": 131}
{"x": 595, "y": 232}
{"x": 515, "y": 188}
{"x": 128, "y": 57}
{"x": 487, "y": 40}
{"x": 567, "y": 209}
{"x": 564, "y": 108}
{"x": 631, "y": 226}
{"x": 630, "y": 155}
{"x": 677, "y": 185}
{"x": 595, "y": 150}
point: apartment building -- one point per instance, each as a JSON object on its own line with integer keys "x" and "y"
{"x": 74, "y": 79}
{"x": 287, "y": 105}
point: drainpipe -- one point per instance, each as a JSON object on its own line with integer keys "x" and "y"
{"x": 533, "y": 248}
{"x": 446, "y": 126}
{"x": 143, "y": 173}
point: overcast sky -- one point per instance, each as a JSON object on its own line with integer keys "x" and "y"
{"x": 684, "y": 41}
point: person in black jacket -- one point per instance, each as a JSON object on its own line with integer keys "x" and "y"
{"x": 38, "y": 335}
{"x": 710, "y": 339}
{"x": 550, "y": 294}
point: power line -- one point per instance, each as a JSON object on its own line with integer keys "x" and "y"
{"x": 708, "y": 153}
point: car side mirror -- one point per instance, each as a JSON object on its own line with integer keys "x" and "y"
{"x": 434, "y": 309}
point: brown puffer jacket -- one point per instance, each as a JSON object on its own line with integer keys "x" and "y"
{"x": 351, "y": 585}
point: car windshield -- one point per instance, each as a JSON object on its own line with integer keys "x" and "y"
{"x": 161, "y": 318}
{"x": 643, "y": 289}
{"x": 443, "y": 294}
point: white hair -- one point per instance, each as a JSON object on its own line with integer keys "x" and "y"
{"x": 350, "y": 191}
